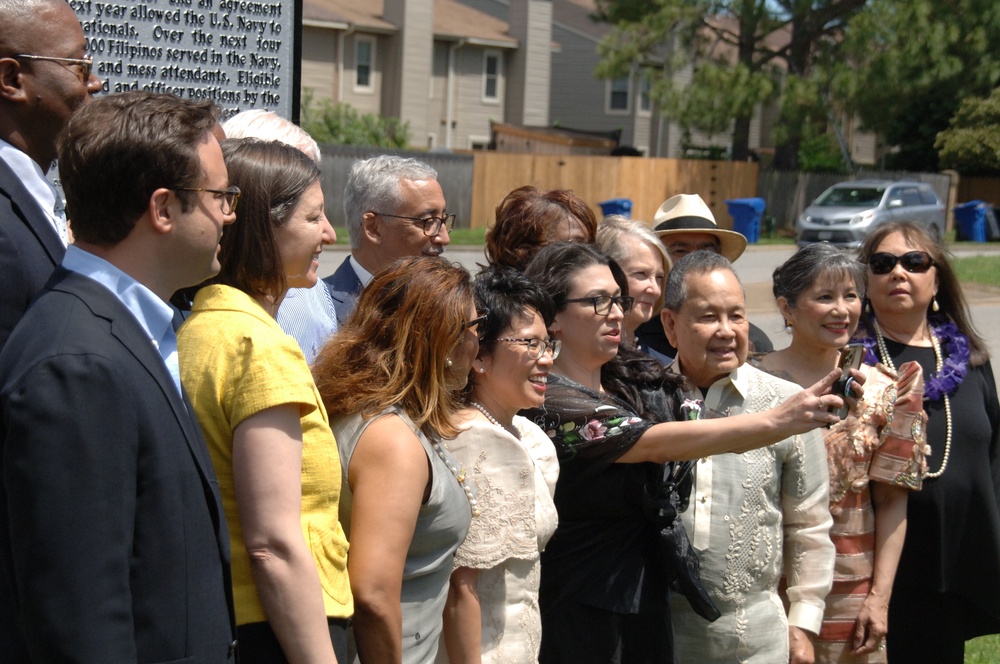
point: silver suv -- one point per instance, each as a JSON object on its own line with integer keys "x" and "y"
{"x": 847, "y": 212}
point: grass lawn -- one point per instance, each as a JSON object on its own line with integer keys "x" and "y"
{"x": 984, "y": 650}
{"x": 979, "y": 269}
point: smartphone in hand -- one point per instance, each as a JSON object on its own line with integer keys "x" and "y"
{"x": 851, "y": 356}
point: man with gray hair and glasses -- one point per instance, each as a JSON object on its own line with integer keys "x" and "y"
{"x": 45, "y": 75}
{"x": 395, "y": 208}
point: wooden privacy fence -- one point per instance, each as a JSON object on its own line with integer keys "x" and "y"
{"x": 981, "y": 189}
{"x": 647, "y": 182}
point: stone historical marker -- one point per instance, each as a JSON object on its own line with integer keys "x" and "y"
{"x": 242, "y": 54}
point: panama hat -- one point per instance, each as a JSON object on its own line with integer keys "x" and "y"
{"x": 687, "y": 213}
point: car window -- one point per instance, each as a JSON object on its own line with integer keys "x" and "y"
{"x": 910, "y": 196}
{"x": 927, "y": 196}
{"x": 851, "y": 197}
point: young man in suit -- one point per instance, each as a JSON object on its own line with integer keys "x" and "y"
{"x": 113, "y": 541}
{"x": 395, "y": 208}
{"x": 44, "y": 77}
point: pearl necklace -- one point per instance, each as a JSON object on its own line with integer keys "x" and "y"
{"x": 939, "y": 361}
{"x": 459, "y": 474}
{"x": 482, "y": 409}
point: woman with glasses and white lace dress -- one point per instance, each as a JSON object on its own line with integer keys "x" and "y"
{"x": 492, "y": 612}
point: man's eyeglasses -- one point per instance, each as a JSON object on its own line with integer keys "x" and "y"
{"x": 602, "y": 303}
{"x": 482, "y": 315}
{"x": 86, "y": 63}
{"x": 430, "y": 225}
{"x": 537, "y": 347}
{"x": 912, "y": 261}
{"x": 230, "y": 197}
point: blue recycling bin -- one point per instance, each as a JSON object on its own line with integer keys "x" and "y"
{"x": 747, "y": 214}
{"x": 620, "y": 206}
{"x": 971, "y": 220}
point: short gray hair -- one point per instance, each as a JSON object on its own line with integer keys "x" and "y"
{"x": 373, "y": 186}
{"x": 697, "y": 262}
{"x": 269, "y": 126}
{"x": 800, "y": 272}
{"x": 614, "y": 228}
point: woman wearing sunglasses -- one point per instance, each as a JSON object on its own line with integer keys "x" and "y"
{"x": 391, "y": 380}
{"x": 608, "y": 410}
{"x": 875, "y": 454}
{"x": 492, "y": 611}
{"x": 947, "y": 585}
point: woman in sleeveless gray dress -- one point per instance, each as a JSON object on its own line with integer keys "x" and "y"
{"x": 389, "y": 380}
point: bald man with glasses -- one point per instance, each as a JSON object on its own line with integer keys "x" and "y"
{"x": 45, "y": 76}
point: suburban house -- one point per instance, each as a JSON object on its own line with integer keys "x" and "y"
{"x": 444, "y": 67}
{"x": 452, "y": 67}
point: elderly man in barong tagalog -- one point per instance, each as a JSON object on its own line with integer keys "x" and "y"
{"x": 754, "y": 517}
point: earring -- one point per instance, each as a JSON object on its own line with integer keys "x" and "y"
{"x": 868, "y": 306}
{"x": 934, "y": 305}
{"x": 788, "y": 326}
{"x": 481, "y": 369}
{"x": 447, "y": 362}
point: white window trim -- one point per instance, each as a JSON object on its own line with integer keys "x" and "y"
{"x": 370, "y": 88}
{"x": 488, "y": 53}
{"x": 648, "y": 112}
{"x": 474, "y": 138}
{"x": 607, "y": 98}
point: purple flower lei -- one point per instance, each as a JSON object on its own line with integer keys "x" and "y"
{"x": 955, "y": 348}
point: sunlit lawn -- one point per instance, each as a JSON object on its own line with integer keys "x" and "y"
{"x": 984, "y": 650}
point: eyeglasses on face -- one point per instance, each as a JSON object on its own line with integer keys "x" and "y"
{"x": 537, "y": 347}
{"x": 86, "y": 63}
{"x": 602, "y": 303}
{"x": 482, "y": 315}
{"x": 912, "y": 261}
{"x": 230, "y": 196}
{"x": 430, "y": 225}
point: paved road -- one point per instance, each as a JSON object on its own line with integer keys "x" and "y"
{"x": 755, "y": 268}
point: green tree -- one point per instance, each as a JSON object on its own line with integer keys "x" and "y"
{"x": 743, "y": 53}
{"x": 341, "y": 124}
{"x": 971, "y": 144}
{"x": 908, "y": 65}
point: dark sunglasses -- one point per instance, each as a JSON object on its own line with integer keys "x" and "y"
{"x": 912, "y": 261}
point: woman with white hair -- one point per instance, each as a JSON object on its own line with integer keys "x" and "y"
{"x": 645, "y": 262}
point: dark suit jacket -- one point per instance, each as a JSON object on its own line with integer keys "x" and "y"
{"x": 29, "y": 250}
{"x": 113, "y": 540}
{"x": 344, "y": 288}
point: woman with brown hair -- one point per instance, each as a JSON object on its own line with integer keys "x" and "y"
{"x": 267, "y": 432}
{"x": 947, "y": 585}
{"x": 527, "y": 219}
{"x": 390, "y": 381}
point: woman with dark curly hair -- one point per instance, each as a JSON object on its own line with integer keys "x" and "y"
{"x": 492, "y": 611}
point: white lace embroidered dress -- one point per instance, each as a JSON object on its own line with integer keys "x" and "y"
{"x": 514, "y": 482}
{"x": 754, "y": 517}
